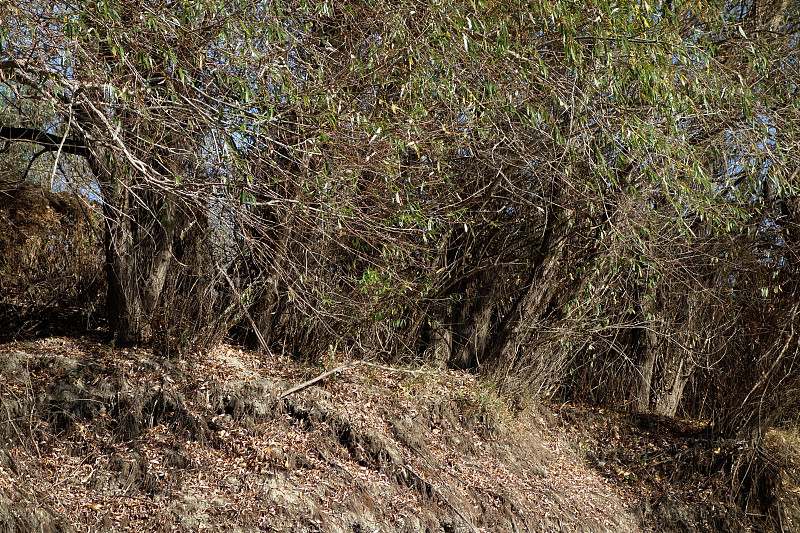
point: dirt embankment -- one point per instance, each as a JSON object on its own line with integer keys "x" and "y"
{"x": 97, "y": 439}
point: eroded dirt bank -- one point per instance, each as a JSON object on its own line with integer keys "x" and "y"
{"x": 97, "y": 439}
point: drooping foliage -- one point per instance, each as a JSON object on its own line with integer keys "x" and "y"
{"x": 593, "y": 199}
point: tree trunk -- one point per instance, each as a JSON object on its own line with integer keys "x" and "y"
{"x": 267, "y": 312}
{"x": 478, "y": 321}
{"x": 541, "y": 288}
{"x": 669, "y": 399}
{"x": 442, "y": 339}
{"x": 644, "y": 369}
{"x": 139, "y": 250}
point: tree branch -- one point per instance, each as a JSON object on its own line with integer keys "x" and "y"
{"x": 47, "y": 141}
{"x": 30, "y": 163}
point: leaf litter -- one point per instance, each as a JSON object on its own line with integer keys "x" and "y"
{"x": 99, "y": 439}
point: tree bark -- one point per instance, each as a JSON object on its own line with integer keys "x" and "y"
{"x": 478, "y": 321}
{"x": 541, "y": 288}
{"x": 669, "y": 399}
{"x": 442, "y": 340}
{"x": 644, "y": 369}
{"x": 139, "y": 251}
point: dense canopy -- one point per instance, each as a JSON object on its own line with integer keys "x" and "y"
{"x": 591, "y": 199}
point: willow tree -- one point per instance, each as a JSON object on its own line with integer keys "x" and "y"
{"x": 150, "y": 98}
{"x": 575, "y": 186}
{"x": 233, "y": 125}
{"x": 573, "y": 196}
{"x": 673, "y": 139}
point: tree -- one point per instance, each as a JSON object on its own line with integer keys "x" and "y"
{"x": 140, "y": 99}
{"x": 595, "y": 199}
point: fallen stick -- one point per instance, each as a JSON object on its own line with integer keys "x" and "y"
{"x": 310, "y": 382}
{"x": 306, "y": 384}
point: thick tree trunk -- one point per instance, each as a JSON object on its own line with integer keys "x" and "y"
{"x": 442, "y": 340}
{"x": 541, "y": 289}
{"x": 139, "y": 251}
{"x": 140, "y": 231}
{"x": 478, "y": 321}
{"x": 661, "y": 375}
{"x": 644, "y": 344}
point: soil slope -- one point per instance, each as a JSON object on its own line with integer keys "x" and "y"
{"x": 102, "y": 439}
